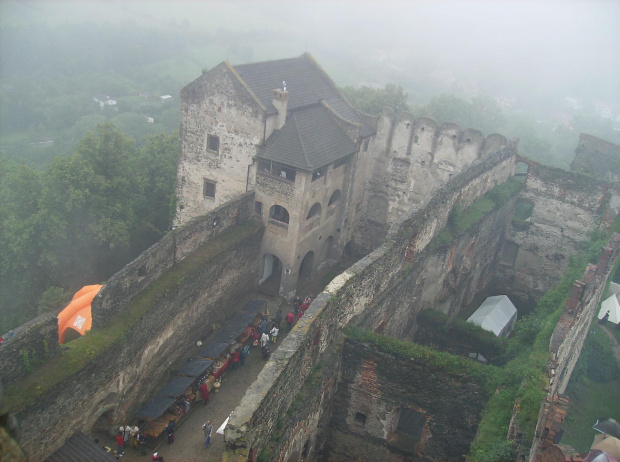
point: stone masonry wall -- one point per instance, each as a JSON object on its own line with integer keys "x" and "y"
{"x": 572, "y": 330}
{"x": 216, "y": 104}
{"x": 412, "y": 159}
{"x": 171, "y": 249}
{"x": 375, "y": 386}
{"x": 567, "y": 206}
{"x": 446, "y": 278}
{"x": 361, "y": 287}
{"x": 597, "y": 158}
{"x": 114, "y": 384}
{"x": 35, "y": 341}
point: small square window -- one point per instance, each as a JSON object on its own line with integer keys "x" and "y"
{"x": 360, "y": 419}
{"x": 209, "y": 189}
{"x": 213, "y": 143}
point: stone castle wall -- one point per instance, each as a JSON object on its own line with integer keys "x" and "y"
{"x": 413, "y": 158}
{"x": 597, "y": 158}
{"x": 376, "y": 386}
{"x": 216, "y": 104}
{"x": 566, "y": 207}
{"x": 570, "y": 334}
{"x": 317, "y": 336}
{"x": 173, "y": 248}
{"x": 112, "y": 386}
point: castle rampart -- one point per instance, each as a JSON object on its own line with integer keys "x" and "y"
{"x": 204, "y": 292}
{"x": 364, "y": 286}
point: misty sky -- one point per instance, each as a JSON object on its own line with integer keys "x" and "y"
{"x": 509, "y": 47}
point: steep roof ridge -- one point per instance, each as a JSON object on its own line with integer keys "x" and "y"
{"x": 245, "y": 85}
{"x": 301, "y": 141}
{"x": 335, "y": 114}
{"x": 328, "y": 79}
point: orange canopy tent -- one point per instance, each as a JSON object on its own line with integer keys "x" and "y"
{"x": 77, "y": 314}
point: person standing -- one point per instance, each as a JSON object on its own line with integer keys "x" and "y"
{"x": 296, "y": 305}
{"x": 236, "y": 356}
{"x": 134, "y": 436}
{"x": 290, "y": 319}
{"x": 274, "y": 333}
{"x": 120, "y": 442}
{"x": 263, "y": 327}
{"x": 126, "y": 434}
{"x": 170, "y": 431}
{"x": 204, "y": 392}
{"x": 264, "y": 340}
{"x": 243, "y": 352}
{"x": 142, "y": 443}
{"x": 207, "y": 429}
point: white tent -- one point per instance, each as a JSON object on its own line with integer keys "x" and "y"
{"x": 611, "y": 305}
{"x": 497, "y": 314}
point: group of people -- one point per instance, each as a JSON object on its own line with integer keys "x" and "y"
{"x": 128, "y": 435}
{"x": 239, "y": 355}
{"x": 299, "y": 308}
{"x": 131, "y": 435}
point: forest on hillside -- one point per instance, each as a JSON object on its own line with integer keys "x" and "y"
{"x": 85, "y": 187}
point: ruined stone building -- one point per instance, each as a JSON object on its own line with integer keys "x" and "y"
{"x": 283, "y": 130}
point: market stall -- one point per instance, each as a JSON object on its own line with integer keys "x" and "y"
{"x": 156, "y": 413}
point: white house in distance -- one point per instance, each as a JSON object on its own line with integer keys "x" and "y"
{"x": 497, "y": 314}
{"x": 104, "y": 100}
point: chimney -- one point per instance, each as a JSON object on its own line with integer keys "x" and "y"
{"x": 280, "y": 101}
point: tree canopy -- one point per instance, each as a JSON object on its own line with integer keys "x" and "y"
{"x": 372, "y": 100}
{"x": 82, "y": 218}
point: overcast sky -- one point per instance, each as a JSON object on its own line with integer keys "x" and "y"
{"x": 510, "y": 47}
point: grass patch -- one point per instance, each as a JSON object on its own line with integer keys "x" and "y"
{"x": 460, "y": 219}
{"x": 77, "y": 354}
{"x": 485, "y": 376}
{"x": 589, "y": 401}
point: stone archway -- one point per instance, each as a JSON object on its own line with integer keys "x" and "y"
{"x": 306, "y": 269}
{"x": 272, "y": 274}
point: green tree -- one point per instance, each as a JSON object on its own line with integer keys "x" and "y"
{"x": 373, "y": 100}
{"x": 482, "y": 113}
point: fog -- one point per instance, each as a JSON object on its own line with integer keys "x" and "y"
{"x": 525, "y": 49}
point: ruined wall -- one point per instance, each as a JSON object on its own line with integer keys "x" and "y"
{"x": 567, "y": 206}
{"x": 446, "y": 278}
{"x": 597, "y": 158}
{"x": 412, "y": 159}
{"x": 314, "y": 339}
{"x": 570, "y": 334}
{"x": 216, "y": 104}
{"x": 114, "y": 384}
{"x": 374, "y": 389}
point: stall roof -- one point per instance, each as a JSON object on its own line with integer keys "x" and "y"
{"x": 155, "y": 407}
{"x": 231, "y": 330}
{"x": 196, "y": 367}
{"x": 79, "y": 448}
{"x": 176, "y": 386}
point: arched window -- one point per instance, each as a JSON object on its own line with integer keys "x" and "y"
{"x": 279, "y": 213}
{"x": 315, "y": 211}
{"x": 335, "y": 197}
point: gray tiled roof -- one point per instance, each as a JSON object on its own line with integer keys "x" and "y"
{"x": 310, "y": 139}
{"x": 306, "y": 85}
{"x": 80, "y": 448}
